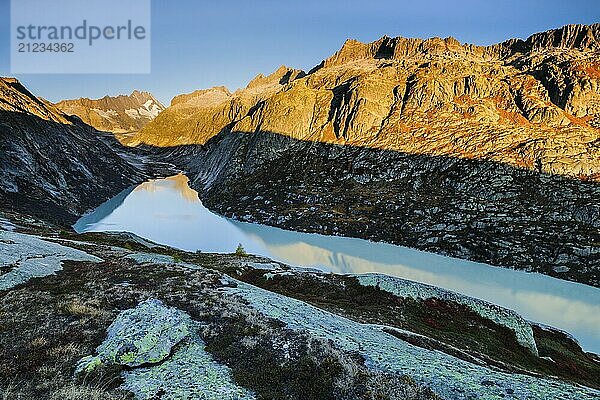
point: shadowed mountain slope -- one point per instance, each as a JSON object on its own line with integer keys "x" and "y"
{"x": 53, "y": 165}
{"x": 473, "y": 209}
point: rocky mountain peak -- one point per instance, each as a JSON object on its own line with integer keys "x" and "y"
{"x": 396, "y": 49}
{"x": 582, "y": 37}
{"x": 280, "y": 76}
{"x": 142, "y": 96}
{"x": 137, "y": 93}
{"x": 14, "y": 97}
{"x": 209, "y": 96}
{"x": 202, "y": 114}
{"x": 9, "y": 80}
{"x": 117, "y": 114}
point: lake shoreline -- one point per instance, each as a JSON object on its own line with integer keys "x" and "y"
{"x": 168, "y": 211}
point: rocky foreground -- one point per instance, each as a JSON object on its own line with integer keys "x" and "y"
{"x": 111, "y": 316}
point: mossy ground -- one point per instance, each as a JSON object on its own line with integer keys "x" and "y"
{"x": 448, "y": 322}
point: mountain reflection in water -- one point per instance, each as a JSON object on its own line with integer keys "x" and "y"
{"x": 167, "y": 211}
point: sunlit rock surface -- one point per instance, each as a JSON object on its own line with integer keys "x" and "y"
{"x": 530, "y": 104}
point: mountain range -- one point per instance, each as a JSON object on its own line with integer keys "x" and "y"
{"x": 118, "y": 114}
{"x": 531, "y": 103}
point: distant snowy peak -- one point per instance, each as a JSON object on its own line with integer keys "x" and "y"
{"x": 149, "y": 110}
{"x": 118, "y": 114}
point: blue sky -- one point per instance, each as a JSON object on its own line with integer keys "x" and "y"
{"x": 198, "y": 44}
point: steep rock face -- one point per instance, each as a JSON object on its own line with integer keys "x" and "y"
{"x": 53, "y": 165}
{"x": 536, "y": 110}
{"x": 120, "y": 114}
{"x": 15, "y": 98}
{"x": 585, "y": 37}
{"x": 577, "y": 37}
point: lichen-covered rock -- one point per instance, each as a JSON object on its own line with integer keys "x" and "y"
{"x": 165, "y": 356}
{"x": 23, "y": 257}
{"x": 420, "y": 291}
{"x": 190, "y": 373}
{"x": 450, "y": 377}
{"x": 140, "y": 336}
{"x": 153, "y": 258}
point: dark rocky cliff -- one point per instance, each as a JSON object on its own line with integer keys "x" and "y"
{"x": 52, "y": 165}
